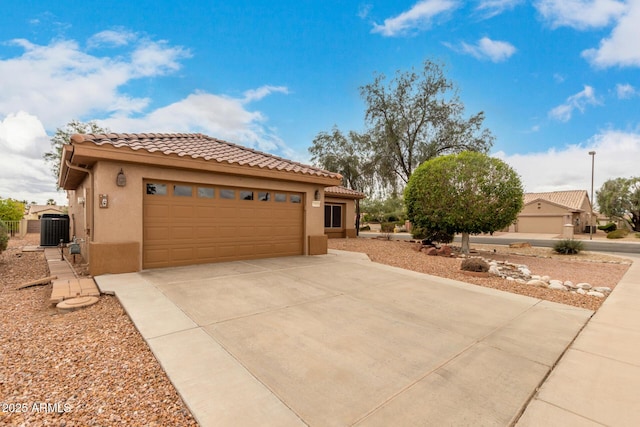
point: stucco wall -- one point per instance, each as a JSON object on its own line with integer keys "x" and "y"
{"x": 121, "y": 221}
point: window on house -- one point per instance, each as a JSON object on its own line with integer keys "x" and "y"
{"x": 156, "y": 189}
{"x": 246, "y": 195}
{"x": 280, "y": 197}
{"x": 295, "y": 198}
{"x": 332, "y": 216}
{"x": 264, "y": 196}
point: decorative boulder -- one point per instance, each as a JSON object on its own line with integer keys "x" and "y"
{"x": 584, "y": 286}
{"x": 557, "y": 286}
{"x": 596, "y": 294}
{"x": 432, "y": 252}
{"x": 538, "y": 283}
{"x": 444, "y": 251}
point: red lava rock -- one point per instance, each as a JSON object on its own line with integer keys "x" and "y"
{"x": 444, "y": 251}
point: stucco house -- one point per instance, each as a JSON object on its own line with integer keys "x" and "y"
{"x": 141, "y": 201}
{"x": 549, "y": 212}
{"x": 340, "y": 211}
{"x": 35, "y": 212}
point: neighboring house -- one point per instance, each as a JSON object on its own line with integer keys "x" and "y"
{"x": 35, "y": 212}
{"x": 549, "y": 212}
{"x": 157, "y": 200}
{"x": 340, "y": 211}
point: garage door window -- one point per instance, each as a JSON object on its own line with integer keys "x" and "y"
{"x": 280, "y": 197}
{"x": 157, "y": 189}
{"x": 295, "y": 198}
{"x": 264, "y": 196}
{"x": 227, "y": 194}
{"x": 182, "y": 190}
{"x": 332, "y": 216}
{"x": 246, "y": 195}
{"x": 205, "y": 193}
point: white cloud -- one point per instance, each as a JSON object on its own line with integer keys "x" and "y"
{"x": 418, "y": 18}
{"x": 616, "y": 156}
{"x": 491, "y": 8}
{"x": 22, "y": 133}
{"x": 621, "y": 48}
{"x": 261, "y": 92}
{"x": 221, "y": 116}
{"x": 56, "y": 82}
{"x": 59, "y": 81}
{"x": 23, "y": 173}
{"x": 625, "y": 91}
{"x": 111, "y": 38}
{"x": 493, "y": 50}
{"x": 579, "y": 101}
{"x": 580, "y": 14}
{"x": 364, "y": 10}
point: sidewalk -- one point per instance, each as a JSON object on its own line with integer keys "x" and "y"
{"x": 67, "y": 285}
{"x": 596, "y": 382}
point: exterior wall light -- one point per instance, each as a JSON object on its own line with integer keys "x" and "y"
{"x": 121, "y": 180}
{"x": 316, "y": 195}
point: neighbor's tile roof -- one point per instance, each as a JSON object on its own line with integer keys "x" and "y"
{"x": 34, "y": 209}
{"x": 196, "y": 145}
{"x": 344, "y": 192}
{"x": 571, "y": 199}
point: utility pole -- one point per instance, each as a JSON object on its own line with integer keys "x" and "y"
{"x": 593, "y": 156}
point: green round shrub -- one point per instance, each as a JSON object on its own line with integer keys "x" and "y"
{"x": 607, "y": 228}
{"x": 617, "y": 234}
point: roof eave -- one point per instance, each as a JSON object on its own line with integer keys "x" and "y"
{"x": 89, "y": 153}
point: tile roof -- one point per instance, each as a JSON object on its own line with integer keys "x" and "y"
{"x": 571, "y": 199}
{"x": 33, "y": 209}
{"x": 343, "y": 192}
{"x": 199, "y": 146}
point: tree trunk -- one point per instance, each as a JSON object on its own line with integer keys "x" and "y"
{"x": 465, "y": 243}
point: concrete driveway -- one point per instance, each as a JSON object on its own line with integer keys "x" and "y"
{"x": 338, "y": 340}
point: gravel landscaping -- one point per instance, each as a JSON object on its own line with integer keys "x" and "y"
{"x": 89, "y": 367}
{"x": 596, "y": 269}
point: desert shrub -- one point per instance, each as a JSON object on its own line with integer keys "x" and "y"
{"x": 607, "y": 228}
{"x": 4, "y": 236}
{"x": 568, "y": 246}
{"x": 387, "y": 227}
{"x": 365, "y": 228}
{"x": 617, "y": 234}
{"x": 474, "y": 264}
{"x": 434, "y": 236}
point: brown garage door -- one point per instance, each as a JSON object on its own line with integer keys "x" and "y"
{"x": 540, "y": 224}
{"x": 196, "y": 223}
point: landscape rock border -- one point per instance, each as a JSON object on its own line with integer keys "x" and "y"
{"x": 520, "y": 273}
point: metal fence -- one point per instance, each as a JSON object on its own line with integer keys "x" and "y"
{"x": 13, "y": 228}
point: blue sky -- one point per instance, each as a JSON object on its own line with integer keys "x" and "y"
{"x": 555, "y": 78}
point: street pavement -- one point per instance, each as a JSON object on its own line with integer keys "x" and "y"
{"x": 599, "y": 242}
